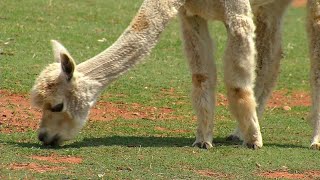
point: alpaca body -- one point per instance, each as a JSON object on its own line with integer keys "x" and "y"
{"x": 66, "y": 91}
{"x": 214, "y": 9}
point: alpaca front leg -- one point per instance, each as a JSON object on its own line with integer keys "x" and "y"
{"x": 198, "y": 47}
{"x": 239, "y": 70}
{"x": 269, "y": 54}
{"x": 313, "y": 27}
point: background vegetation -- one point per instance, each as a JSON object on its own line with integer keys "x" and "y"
{"x": 135, "y": 149}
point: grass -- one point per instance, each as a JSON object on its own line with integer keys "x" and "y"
{"x": 135, "y": 149}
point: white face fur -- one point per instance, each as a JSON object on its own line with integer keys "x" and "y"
{"x": 60, "y": 91}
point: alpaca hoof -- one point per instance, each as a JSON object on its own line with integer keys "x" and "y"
{"x": 203, "y": 145}
{"x": 315, "y": 146}
{"x": 233, "y": 138}
{"x": 253, "y": 146}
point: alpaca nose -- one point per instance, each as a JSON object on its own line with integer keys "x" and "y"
{"x": 42, "y": 136}
{"x": 46, "y": 141}
{"x": 55, "y": 141}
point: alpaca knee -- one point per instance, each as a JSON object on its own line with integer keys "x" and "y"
{"x": 203, "y": 97}
{"x": 242, "y": 106}
{"x": 242, "y": 102}
{"x": 198, "y": 80}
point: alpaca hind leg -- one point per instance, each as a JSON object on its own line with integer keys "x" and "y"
{"x": 313, "y": 27}
{"x": 239, "y": 70}
{"x": 269, "y": 50}
{"x": 198, "y": 47}
{"x": 269, "y": 53}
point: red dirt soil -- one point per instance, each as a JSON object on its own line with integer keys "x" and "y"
{"x": 288, "y": 175}
{"x": 106, "y": 111}
{"x": 54, "y": 158}
{"x": 279, "y": 99}
{"x": 299, "y": 3}
{"x": 16, "y": 114}
{"x": 35, "y": 167}
{"x": 211, "y": 174}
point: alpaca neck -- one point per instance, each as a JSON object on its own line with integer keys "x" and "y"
{"x": 135, "y": 43}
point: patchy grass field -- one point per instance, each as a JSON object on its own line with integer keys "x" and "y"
{"x": 143, "y": 126}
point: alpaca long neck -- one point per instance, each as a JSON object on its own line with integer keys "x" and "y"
{"x": 135, "y": 42}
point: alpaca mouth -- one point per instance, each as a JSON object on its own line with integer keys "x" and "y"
{"x": 46, "y": 141}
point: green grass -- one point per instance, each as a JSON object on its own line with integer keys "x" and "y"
{"x": 135, "y": 149}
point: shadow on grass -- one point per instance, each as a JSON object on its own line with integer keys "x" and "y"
{"x": 126, "y": 141}
{"x": 132, "y": 141}
{"x": 285, "y": 146}
{"x": 141, "y": 141}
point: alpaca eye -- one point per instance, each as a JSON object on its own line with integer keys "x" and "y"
{"x": 57, "y": 108}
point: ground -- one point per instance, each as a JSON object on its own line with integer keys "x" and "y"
{"x": 299, "y": 3}
{"x": 16, "y": 115}
{"x": 53, "y": 158}
{"x": 291, "y": 175}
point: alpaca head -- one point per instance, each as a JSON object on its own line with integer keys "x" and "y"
{"x": 61, "y": 92}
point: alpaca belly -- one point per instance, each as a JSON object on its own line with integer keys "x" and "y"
{"x": 255, "y": 3}
{"x": 207, "y": 9}
{"x": 214, "y": 9}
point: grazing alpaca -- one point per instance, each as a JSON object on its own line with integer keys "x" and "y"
{"x": 66, "y": 91}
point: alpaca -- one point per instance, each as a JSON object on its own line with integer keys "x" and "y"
{"x": 65, "y": 91}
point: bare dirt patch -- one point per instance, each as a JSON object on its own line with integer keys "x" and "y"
{"x": 212, "y": 174}
{"x": 291, "y": 99}
{"x": 290, "y": 175}
{"x": 40, "y": 168}
{"x": 299, "y": 3}
{"x": 35, "y": 167}
{"x": 54, "y": 158}
{"x": 106, "y": 111}
{"x": 16, "y": 114}
{"x": 279, "y": 99}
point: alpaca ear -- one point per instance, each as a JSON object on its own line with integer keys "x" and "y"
{"x": 61, "y": 55}
{"x": 58, "y": 49}
{"x": 67, "y": 65}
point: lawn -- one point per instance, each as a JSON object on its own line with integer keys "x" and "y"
{"x": 143, "y": 126}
